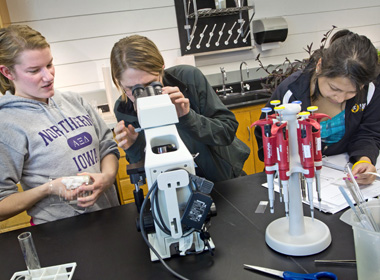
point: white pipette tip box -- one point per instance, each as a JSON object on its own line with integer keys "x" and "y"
{"x": 57, "y": 272}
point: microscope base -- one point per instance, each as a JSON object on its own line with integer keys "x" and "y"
{"x": 164, "y": 248}
{"x": 316, "y": 238}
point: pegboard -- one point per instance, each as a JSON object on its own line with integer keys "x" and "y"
{"x": 210, "y": 29}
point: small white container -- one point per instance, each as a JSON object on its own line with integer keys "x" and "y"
{"x": 367, "y": 242}
{"x": 57, "y": 272}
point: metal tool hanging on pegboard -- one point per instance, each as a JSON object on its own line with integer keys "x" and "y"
{"x": 230, "y": 26}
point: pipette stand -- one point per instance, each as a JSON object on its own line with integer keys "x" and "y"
{"x": 296, "y": 235}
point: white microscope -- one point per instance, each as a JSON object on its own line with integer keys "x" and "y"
{"x": 180, "y": 201}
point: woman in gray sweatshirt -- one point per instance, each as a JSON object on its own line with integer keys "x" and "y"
{"x": 46, "y": 135}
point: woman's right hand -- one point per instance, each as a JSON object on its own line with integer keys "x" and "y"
{"x": 56, "y": 187}
{"x": 125, "y": 136}
{"x": 360, "y": 170}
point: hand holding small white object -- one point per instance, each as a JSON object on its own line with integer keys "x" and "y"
{"x": 74, "y": 182}
{"x": 68, "y": 187}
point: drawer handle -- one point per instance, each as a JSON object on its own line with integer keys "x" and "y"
{"x": 249, "y": 133}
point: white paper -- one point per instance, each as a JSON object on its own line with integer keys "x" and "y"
{"x": 331, "y": 178}
{"x": 336, "y": 162}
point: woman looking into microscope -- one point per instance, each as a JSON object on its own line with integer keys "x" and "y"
{"x": 205, "y": 125}
{"x": 343, "y": 81}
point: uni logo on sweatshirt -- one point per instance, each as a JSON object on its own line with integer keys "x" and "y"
{"x": 80, "y": 141}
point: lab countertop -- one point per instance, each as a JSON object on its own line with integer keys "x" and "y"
{"x": 236, "y": 97}
{"x": 249, "y": 98}
{"x": 106, "y": 244}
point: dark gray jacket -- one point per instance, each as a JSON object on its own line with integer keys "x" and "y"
{"x": 209, "y": 129}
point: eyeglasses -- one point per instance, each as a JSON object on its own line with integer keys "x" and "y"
{"x": 154, "y": 78}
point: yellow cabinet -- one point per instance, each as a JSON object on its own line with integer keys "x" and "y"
{"x": 19, "y": 221}
{"x": 125, "y": 187}
{"x": 246, "y": 116}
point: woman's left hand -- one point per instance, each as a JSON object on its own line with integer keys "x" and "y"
{"x": 89, "y": 194}
{"x": 360, "y": 171}
{"x": 182, "y": 104}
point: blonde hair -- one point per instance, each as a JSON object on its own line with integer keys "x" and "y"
{"x": 15, "y": 39}
{"x": 137, "y": 52}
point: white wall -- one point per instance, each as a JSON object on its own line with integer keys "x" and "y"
{"x": 82, "y": 32}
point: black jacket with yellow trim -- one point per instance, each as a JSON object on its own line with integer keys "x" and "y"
{"x": 362, "y": 121}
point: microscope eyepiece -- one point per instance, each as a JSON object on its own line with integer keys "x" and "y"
{"x": 138, "y": 91}
{"x": 155, "y": 88}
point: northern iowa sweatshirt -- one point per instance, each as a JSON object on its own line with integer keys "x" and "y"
{"x": 39, "y": 141}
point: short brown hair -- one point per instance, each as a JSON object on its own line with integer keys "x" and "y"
{"x": 137, "y": 52}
